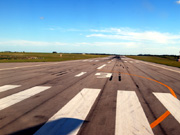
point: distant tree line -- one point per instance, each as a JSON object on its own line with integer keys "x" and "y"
{"x": 86, "y": 53}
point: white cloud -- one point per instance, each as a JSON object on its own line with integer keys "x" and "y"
{"x": 160, "y": 50}
{"x": 110, "y": 44}
{"x": 42, "y": 18}
{"x": 72, "y": 29}
{"x": 41, "y": 43}
{"x": 26, "y": 42}
{"x": 132, "y": 35}
{"x": 57, "y": 28}
{"x": 121, "y": 47}
{"x": 178, "y": 2}
{"x": 51, "y": 29}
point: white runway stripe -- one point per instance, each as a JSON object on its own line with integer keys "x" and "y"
{"x": 15, "y": 98}
{"x": 130, "y": 117}
{"x": 177, "y": 71}
{"x": 71, "y": 115}
{"x": 171, "y": 103}
{"x": 8, "y": 87}
{"x": 101, "y": 66}
{"x": 80, "y": 74}
{"x": 39, "y": 65}
{"x": 103, "y": 75}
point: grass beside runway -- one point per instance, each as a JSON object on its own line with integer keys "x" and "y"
{"x": 43, "y": 57}
{"x": 158, "y": 59}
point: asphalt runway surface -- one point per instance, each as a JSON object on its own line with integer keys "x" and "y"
{"x": 101, "y": 96}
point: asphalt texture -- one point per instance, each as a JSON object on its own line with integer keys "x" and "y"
{"x": 29, "y": 115}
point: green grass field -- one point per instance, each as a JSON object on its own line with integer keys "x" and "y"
{"x": 42, "y": 57}
{"x": 166, "y": 60}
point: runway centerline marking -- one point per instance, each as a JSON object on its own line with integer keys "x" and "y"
{"x": 80, "y": 74}
{"x": 101, "y": 66}
{"x": 103, "y": 75}
{"x": 171, "y": 103}
{"x": 73, "y": 114}
{"x": 8, "y": 87}
{"x": 15, "y": 98}
{"x": 130, "y": 117}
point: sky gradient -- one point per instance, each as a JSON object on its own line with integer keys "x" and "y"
{"x": 91, "y": 26}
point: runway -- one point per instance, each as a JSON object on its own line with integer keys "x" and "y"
{"x": 115, "y": 95}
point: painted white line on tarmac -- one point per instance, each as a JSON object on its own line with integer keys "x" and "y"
{"x": 80, "y": 74}
{"x": 15, "y": 98}
{"x": 101, "y": 66}
{"x": 161, "y": 67}
{"x": 69, "y": 119}
{"x": 103, "y": 75}
{"x": 171, "y": 103}
{"x": 131, "y": 61}
{"x": 8, "y": 87}
{"x": 38, "y": 65}
{"x": 85, "y": 60}
{"x": 130, "y": 117}
{"x": 20, "y": 67}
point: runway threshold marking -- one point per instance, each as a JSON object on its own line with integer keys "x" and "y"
{"x": 130, "y": 117}
{"x": 101, "y": 66}
{"x": 15, "y": 98}
{"x": 73, "y": 114}
{"x": 80, "y": 74}
{"x": 171, "y": 103}
{"x": 8, "y": 87}
{"x": 164, "y": 115}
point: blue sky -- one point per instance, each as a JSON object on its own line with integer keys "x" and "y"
{"x": 90, "y": 26}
